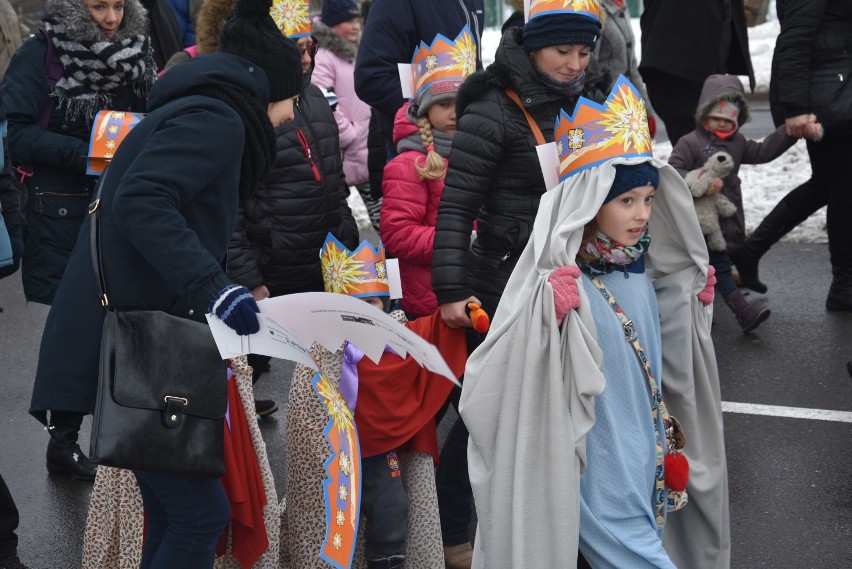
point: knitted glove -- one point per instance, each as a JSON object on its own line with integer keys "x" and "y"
{"x": 707, "y": 293}
{"x": 565, "y": 294}
{"x": 235, "y": 306}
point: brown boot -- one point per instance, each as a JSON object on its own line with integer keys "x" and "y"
{"x": 748, "y": 315}
{"x": 458, "y": 556}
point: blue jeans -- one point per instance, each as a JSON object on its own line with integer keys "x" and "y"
{"x": 186, "y": 516}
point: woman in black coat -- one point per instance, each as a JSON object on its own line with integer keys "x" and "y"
{"x": 813, "y": 53}
{"x": 168, "y": 208}
{"x": 102, "y": 54}
{"x": 494, "y": 178}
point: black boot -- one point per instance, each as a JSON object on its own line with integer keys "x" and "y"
{"x": 392, "y": 562}
{"x": 840, "y": 293}
{"x": 63, "y": 453}
{"x": 780, "y": 221}
{"x": 748, "y": 315}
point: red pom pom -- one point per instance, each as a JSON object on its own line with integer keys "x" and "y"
{"x": 676, "y": 471}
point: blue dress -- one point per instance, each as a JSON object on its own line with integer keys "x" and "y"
{"x": 617, "y": 525}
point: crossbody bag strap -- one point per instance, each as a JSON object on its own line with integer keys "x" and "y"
{"x": 539, "y": 138}
{"x": 95, "y": 243}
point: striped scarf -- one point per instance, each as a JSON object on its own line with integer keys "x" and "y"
{"x": 94, "y": 70}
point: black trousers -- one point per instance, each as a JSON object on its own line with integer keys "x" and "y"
{"x": 674, "y": 99}
{"x": 384, "y": 502}
{"x": 8, "y": 522}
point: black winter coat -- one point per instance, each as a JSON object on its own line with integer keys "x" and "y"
{"x": 494, "y": 175}
{"x": 392, "y": 32}
{"x": 59, "y": 190}
{"x": 283, "y": 226}
{"x": 168, "y": 210}
{"x": 695, "y": 39}
{"x": 10, "y": 197}
{"x": 815, "y": 39}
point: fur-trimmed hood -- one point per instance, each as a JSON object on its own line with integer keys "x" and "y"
{"x": 80, "y": 26}
{"x": 327, "y": 39}
{"x": 718, "y": 88}
{"x": 513, "y": 68}
{"x": 211, "y": 19}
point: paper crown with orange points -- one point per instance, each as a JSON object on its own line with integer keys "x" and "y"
{"x": 444, "y": 64}
{"x": 596, "y": 133}
{"x": 358, "y": 273}
{"x": 293, "y": 17}
{"x": 108, "y": 131}
{"x": 589, "y": 8}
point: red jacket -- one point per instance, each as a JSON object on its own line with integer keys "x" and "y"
{"x": 409, "y": 212}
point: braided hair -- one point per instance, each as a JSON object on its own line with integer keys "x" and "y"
{"x": 432, "y": 167}
{"x": 260, "y": 143}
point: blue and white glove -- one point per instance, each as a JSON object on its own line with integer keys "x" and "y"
{"x": 235, "y": 306}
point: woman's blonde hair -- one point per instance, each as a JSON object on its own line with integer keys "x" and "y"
{"x": 433, "y": 164}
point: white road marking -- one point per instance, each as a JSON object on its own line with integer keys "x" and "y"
{"x": 788, "y": 412}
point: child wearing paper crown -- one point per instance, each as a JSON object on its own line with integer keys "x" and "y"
{"x": 414, "y": 179}
{"x": 722, "y": 110}
{"x": 395, "y": 403}
{"x": 604, "y": 312}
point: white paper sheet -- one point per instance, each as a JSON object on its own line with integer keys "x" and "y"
{"x": 406, "y": 80}
{"x": 548, "y": 158}
{"x": 292, "y": 322}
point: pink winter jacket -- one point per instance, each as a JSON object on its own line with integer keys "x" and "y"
{"x": 352, "y": 115}
{"x": 409, "y": 212}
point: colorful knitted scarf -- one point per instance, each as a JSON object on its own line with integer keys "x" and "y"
{"x": 611, "y": 255}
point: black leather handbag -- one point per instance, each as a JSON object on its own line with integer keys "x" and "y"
{"x": 162, "y": 389}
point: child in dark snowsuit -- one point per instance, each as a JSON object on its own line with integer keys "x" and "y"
{"x": 722, "y": 110}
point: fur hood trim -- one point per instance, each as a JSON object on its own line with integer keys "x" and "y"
{"x": 718, "y": 88}
{"x": 327, "y": 39}
{"x": 80, "y": 26}
{"x": 211, "y": 20}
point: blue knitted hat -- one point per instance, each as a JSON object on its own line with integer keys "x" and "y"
{"x": 560, "y": 29}
{"x": 337, "y": 11}
{"x": 628, "y": 177}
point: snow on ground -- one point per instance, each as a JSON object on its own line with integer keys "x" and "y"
{"x": 763, "y": 185}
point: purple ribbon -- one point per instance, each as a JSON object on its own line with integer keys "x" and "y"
{"x": 349, "y": 374}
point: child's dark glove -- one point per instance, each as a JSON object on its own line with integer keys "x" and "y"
{"x": 235, "y": 306}
{"x": 566, "y": 296}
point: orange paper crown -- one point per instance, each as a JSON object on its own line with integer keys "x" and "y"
{"x": 596, "y": 133}
{"x": 589, "y": 8}
{"x": 108, "y": 131}
{"x": 293, "y": 17}
{"x": 358, "y": 273}
{"x": 445, "y": 62}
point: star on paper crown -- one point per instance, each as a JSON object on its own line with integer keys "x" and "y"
{"x": 596, "y": 133}
{"x": 445, "y": 63}
{"x": 589, "y": 8}
{"x": 358, "y": 273}
{"x": 293, "y": 17}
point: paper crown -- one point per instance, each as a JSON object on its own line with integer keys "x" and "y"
{"x": 293, "y": 17}
{"x": 588, "y": 8}
{"x": 358, "y": 273}
{"x": 108, "y": 131}
{"x": 445, "y": 63}
{"x": 596, "y": 133}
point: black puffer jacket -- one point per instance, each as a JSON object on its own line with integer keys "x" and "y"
{"x": 283, "y": 225}
{"x": 494, "y": 176}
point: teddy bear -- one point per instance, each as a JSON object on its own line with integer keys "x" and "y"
{"x": 710, "y": 207}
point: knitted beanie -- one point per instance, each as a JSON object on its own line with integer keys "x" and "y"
{"x": 561, "y": 29}
{"x": 438, "y": 91}
{"x": 252, "y": 34}
{"x": 727, "y": 110}
{"x": 629, "y": 177}
{"x": 337, "y": 11}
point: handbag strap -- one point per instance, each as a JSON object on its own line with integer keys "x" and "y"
{"x": 658, "y": 407}
{"x": 539, "y": 138}
{"x": 95, "y": 243}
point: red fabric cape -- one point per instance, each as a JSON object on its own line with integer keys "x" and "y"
{"x": 398, "y": 399}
